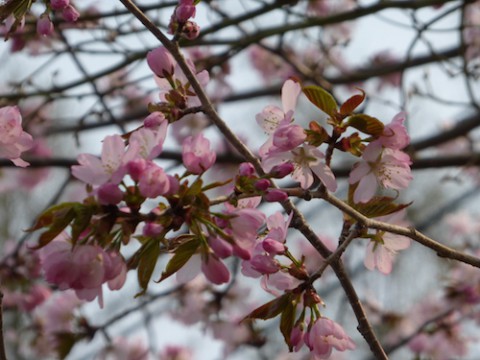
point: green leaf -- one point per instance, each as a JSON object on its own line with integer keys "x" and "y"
{"x": 287, "y": 321}
{"x": 379, "y": 206}
{"x": 321, "y": 99}
{"x": 146, "y": 265}
{"x": 366, "y": 124}
{"x": 352, "y": 103}
{"x": 183, "y": 253}
{"x": 271, "y": 309}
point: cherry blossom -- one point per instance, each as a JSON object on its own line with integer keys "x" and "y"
{"x": 13, "y": 140}
{"x": 110, "y": 167}
{"x": 325, "y": 335}
{"x": 381, "y": 250}
{"x": 386, "y": 167}
{"x": 196, "y": 154}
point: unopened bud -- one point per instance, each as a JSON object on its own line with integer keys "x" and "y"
{"x": 280, "y": 171}
{"x": 275, "y": 195}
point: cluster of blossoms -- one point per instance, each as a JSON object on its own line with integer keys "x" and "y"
{"x": 64, "y": 8}
{"x": 13, "y": 140}
{"x": 180, "y": 23}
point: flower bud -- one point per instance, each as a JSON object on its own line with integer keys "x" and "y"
{"x": 246, "y": 169}
{"x": 161, "y": 62}
{"x": 184, "y": 12}
{"x": 44, "y": 26}
{"x": 190, "y": 30}
{"x": 70, "y": 14}
{"x": 262, "y": 184}
{"x": 280, "y": 171}
{"x": 59, "y": 4}
{"x": 275, "y": 195}
{"x": 273, "y": 246}
{"x": 154, "y": 120}
{"x": 109, "y": 194}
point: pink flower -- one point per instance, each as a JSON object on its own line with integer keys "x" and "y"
{"x": 13, "y": 140}
{"x": 110, "y": 167}
{"x": 153, "y": 181}
{"x": 147, "y": 143}
{"x": 386, "y": 167}
{"x": 123, "y": 349}
{"x": 382, "y": 249}
{"x": 109, "y": 194}
{"x": 196, "y": 154}
{"x": 59, "y": 4}
{"x": 185, "y": 10}
{"x": 173, "y": 352}
{"x": 271, "y": 116}
{"x": 325, "y": 335}
{"x": 395, "y": 134}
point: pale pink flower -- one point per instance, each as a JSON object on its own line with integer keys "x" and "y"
{"x": 395, "y": 135}
{"x": 13, "y": 140}
{"x": 147, "y": 143}
{"x": 197, "y": 155}
{"x": 271, "y": 116}
{"x": 386, "y": 167}
{"x": 382, "y": 249}
{"x": 110, "y": 167}
{"x": 153, "y": 181}
{"x": 325, "y": 335}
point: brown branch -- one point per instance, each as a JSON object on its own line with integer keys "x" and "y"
{"x": 3, "y": 354}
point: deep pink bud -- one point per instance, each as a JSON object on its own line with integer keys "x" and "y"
{"x": 190, "y": 30}
{"x": 59, "y": 4}
{"x": 153, "y": 182}
{"x": 174, "y": 185}
{"x": 70, "y": 14}
{"x": 215, "y": 270}
{"x": 44, "y": 26}
{"x": 109, "y": 193}
{"x": 262, "y": 184}
{"x": 273, "y": 246}
{"x": 220, "y": 247}
{"x": 135, "y": 168}
{"x": 161, "y": 62}
{"x": 246, "y": 169}
{"x": 280, "y": 171}
{"x": 275, "y": 195}
{"x": 152, "y": 229}
{"x": 184, "y": 12}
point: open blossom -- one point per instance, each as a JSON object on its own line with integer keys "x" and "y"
{"x": 83, "y": 269}
{"x": 196, "y": 154}
{"x": 395, "y": 135}
{"x": 381, "y": 251}
{"x": 325, "y": 335}
{"x": 386, "y": 167}
{"x": 110, "y": 167}
{"x": 13, "y": 140}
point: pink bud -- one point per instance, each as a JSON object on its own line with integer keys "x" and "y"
{"x": 70, "y": 14}
{"x": 152, "y": 229}
{"x": 153, "y": 181}
{"x": 184, "y": 12}
{"x": 161, "y": 62}
{"x": 246, "y": 169}
{"x": 220, "y": 247}
{"x": 109, "y": 194}
{"x": 280, "y": 171}
{"x": 273, "y": 246}
{"x": 59, "y": 4}
{"x": 44, "y": 26}
{"x": 275, "y": 195}
{"x": 135, "y": 168}
{"x": 262, "y": 184}
{"x": 190, "y": 30}
{"x": 215, "y": 270}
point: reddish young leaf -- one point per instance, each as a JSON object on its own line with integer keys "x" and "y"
{"x": 352, "y": 103}
{"x": 271, "y": 309}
